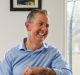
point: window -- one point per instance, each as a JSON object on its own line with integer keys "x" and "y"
{"x": 73, "y": 33}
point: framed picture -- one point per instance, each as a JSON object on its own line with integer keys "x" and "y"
{"x": 25, "y": 5}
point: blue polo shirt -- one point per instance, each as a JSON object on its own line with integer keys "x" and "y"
{"x": 18, "y": 58}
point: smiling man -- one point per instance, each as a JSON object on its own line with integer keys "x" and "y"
{"x": 32, "y": 56}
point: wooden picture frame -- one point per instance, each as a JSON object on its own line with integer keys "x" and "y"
{"x": 25, "y": 5}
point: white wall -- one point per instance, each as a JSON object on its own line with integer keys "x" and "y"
{"x": 12, "y": 28}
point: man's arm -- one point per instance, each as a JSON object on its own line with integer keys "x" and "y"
{"x": 48, "y": 71}
{"x": 5, "y": 66}
{"x": 60, "y": 66}
{"x": 38, "y": 70}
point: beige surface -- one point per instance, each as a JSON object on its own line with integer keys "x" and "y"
{"x": 76, "y": 63}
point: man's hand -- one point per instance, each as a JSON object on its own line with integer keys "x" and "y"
{"x": 38, "y": 70}
{"x": 32, "y": 70}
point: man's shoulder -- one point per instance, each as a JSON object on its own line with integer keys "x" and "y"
{"x": 12, "y": 53}
{"x": 13, "y": 49}
{"x": 53, "y": 51}
{"x": 52, "y": 48}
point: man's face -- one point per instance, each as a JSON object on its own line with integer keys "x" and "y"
{"x": 38, "y": 29}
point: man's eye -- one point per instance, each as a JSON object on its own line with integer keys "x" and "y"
{"x": 47, "y": 25}
{"x": 40, "y": 24}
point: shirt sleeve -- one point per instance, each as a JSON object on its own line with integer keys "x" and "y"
{"x": 5, "y": 65}
{"x": 60, "y": 66}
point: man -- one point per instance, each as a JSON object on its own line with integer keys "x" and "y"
{"x": 32, "y": 56}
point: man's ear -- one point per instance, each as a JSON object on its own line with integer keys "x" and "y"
{"x": 27, "y": 25}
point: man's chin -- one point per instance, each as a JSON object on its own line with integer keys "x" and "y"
{"x": 40, "y": 39}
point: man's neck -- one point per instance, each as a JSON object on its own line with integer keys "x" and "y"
{"x": 32, "y": 45}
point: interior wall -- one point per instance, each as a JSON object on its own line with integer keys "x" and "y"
{"x": 12, "y": 29}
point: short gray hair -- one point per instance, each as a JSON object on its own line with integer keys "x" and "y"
{"x": 32, "y": 14}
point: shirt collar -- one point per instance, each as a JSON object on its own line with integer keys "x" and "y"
{"x": 22, "y": 47}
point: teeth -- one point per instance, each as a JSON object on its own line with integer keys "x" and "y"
{"x": 41, "y": 34}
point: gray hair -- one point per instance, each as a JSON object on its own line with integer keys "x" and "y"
{"x": 32, "y": 14}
